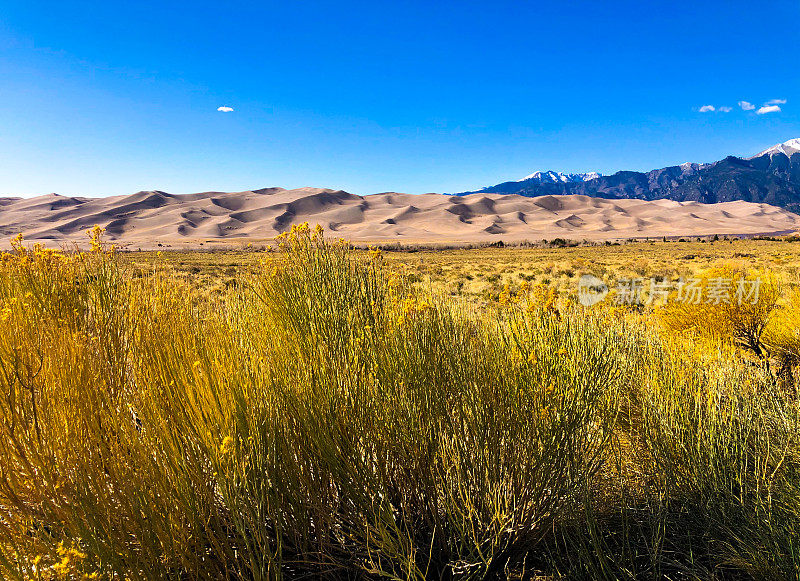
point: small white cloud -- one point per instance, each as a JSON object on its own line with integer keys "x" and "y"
{"x": 768, "y": 109}
{"x": 707, "y": 108}
{"x": 225, "y": 109}
{"x": 746, "y": 106}
{"x": 725, "y": 109}
{"x": 775, "y": 102}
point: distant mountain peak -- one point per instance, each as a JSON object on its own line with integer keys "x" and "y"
{"x": 556, "y": 177}
{"x": 787, "y": 148}
{"x": 771, "y": 177}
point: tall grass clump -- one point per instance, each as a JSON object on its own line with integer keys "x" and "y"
{"x": 702, "y": 482}
{"x": 430, "y": 442}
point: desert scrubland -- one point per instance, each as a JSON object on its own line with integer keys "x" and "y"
{"x": 320, "y": 411}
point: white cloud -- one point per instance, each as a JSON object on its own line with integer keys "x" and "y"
{"x": 746, "y": 106}
{"x": 768, "y": 109}
{"x": 225, "y": 109}
{"x": 725, "y": 109}
{"x": 775, "y": 102}
{"x": 707, "y": 108}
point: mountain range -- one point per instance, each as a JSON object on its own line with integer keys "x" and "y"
{"x": 770, "y": 177}
{"x": 737, "y": 196}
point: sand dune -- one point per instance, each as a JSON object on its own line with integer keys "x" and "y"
{"x": 145, "y": 219}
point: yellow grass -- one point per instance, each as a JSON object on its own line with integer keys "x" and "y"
{"x": 322, "y": 412}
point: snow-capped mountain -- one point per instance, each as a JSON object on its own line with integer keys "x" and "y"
{"x": 771, "y": 177}
{"x": 787, "y": 148}
{"x": 554, "y": 177}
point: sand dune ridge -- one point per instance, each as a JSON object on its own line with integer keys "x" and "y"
{"x": 153, "y": 216}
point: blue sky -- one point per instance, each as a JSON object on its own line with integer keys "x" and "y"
{"x": 415, "y": 96}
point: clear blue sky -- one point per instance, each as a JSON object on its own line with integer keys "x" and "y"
{"x": 102, "y": 98}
